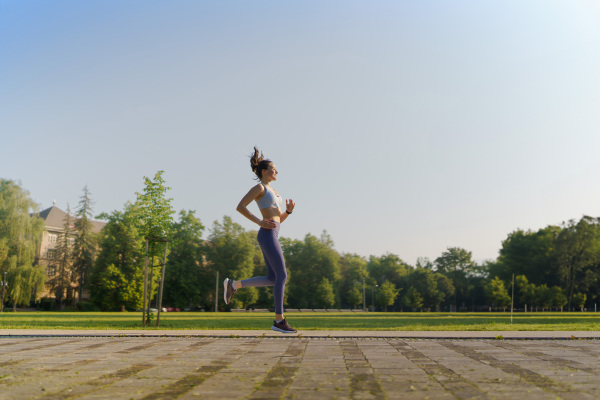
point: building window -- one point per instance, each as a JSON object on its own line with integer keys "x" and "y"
{"x": 52, "y": 254}
{"x": 52, "y": 237}
{"x": 51, "y": 270}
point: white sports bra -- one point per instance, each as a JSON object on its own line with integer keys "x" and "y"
{"x": 269, "y": 200}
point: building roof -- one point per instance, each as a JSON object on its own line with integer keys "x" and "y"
{"x": 55, "y": 217}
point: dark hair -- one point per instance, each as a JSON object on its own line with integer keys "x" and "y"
{"x": 259, "y": 163}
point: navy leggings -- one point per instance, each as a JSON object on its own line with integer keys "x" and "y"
{"x": 276, "y": 272}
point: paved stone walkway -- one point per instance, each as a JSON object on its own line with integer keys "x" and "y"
{"x": 296, "y": 368}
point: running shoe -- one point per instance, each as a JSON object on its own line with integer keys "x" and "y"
{"x": 282, "y": 327}
{"x": 228, "y": 290}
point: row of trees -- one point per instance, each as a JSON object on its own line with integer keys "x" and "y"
{"x": 555, "y": 267}
{"x": 561, "y": 260}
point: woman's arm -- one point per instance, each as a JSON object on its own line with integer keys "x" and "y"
{"x": 289, "y": 206}
{"x": 242, "y": 208}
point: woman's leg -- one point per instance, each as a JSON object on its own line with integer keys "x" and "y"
{"x": 259, "y": 281}
{"x": 276, "y": 272}
{"x": 272, "y": 251}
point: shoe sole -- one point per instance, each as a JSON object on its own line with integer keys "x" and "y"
{"x": 281, "y": 330}
{"x": 225, "y": 284}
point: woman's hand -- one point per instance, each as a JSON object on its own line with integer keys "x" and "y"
{"x": 289, "y": 205}
{"x": 268, "y": 224}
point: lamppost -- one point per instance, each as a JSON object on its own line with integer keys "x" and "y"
{"x": 373, "y": 296}
{"x": 4, "y": 285}
{"x": 364, "y": 297}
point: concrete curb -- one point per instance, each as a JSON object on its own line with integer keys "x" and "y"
{"x": 522, "y": 335}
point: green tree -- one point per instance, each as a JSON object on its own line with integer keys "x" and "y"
{"x": 557, "y": 297}
{"x": 245, "y": 298}
{"x": 579, "y": 300}
{"x": 154, "y": 211}
{"x": 445, "y": 287}
{"x": 414, "y": 298}
{"x": 20, "y": 235}
{"x": 525, "y": 291}
{"x": 119, "y": 290}
{"x": 425, "y": 282}
{"x": 577, "y": 249}
{"x": 308, "y": 262}
{"x": 388, "y": 267}
{"x": 84, "y": 246}
{"x": 61, "y": 282}
{"x": 496, "y": 293}
{"x": 121, "y": 258}
{"x": 353, "y": 270}
{"x": 355, "y": 295}
{"x": 155, "y": 221}
{"x": 456, "y": 264}
{"x": 230, "y": 251}
{"x": 531, "y": 254}
{"x": 188, "y": 281}
{"x": 386, "y": 294}
{"x": 425, "y": 262}
{"x": 324, "y": 296}
{"x": 542, "y": 296}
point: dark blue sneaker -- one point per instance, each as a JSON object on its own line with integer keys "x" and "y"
{"x": 282, "y": 327}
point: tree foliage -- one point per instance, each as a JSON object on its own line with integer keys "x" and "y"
{"x": 353, "y": 270}
{"x": 324, "y": 296}
{"x": 566, "y": 256}
{"x": 496, "y": 293}
{"x": 578, "y": 248}
{"x": 120, "y": 263}
{"x": 387, "y": 294}
{"x": 153, "y": 210}
{"x": 84, "y": 246}
{"x": 355, "y": 295}
{"x": 308, "y": 262}
{"x": 433, "y": 287}
{"x": 414, "y": 298}
{"x": 230, "y": 250}
{"x": 20, "y": 235}
{"x": 388, "y": 267}
{"x": 553, "y": 267}
{"x": 187, "y": 279}
{"x": 456, "y": 263}
{"x": 60, "y": 283}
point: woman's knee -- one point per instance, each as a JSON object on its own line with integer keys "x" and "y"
{"x": 282, "y": 277}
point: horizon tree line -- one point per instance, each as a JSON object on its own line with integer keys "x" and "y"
{"x": 555, "y": 267}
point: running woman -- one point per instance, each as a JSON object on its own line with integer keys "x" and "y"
{"x": 269, "y": 203}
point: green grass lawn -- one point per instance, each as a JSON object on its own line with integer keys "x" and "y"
{"x": 309, "y": 321}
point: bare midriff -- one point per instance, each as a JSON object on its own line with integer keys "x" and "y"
{"x": 271, "y": 213}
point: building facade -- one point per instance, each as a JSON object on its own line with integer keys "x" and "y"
{"x": 55, "y": 220}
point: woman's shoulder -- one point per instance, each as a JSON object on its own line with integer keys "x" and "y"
{"x": 258, "y": 188}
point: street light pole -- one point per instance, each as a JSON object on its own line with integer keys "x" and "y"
{"x": 373, "y": 296}
{"x": 364, "y": 297}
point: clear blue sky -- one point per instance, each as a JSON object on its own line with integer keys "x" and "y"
{"x": 398, "y": 126}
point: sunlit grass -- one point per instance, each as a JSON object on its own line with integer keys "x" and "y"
{"x": 309, "y": 321}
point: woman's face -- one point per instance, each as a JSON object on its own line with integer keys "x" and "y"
{"x": 270, "y": 173}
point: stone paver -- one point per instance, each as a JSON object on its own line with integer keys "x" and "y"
{"x": 271, "y": 367}
{"x": 304, "y": 334}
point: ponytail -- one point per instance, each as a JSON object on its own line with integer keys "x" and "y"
{"x": 258, "y": 163}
